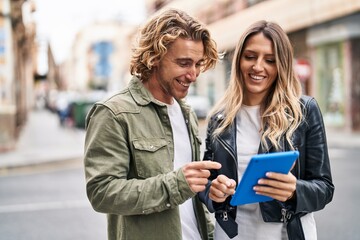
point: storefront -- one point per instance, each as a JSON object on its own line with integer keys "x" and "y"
{"x": 334, "y": 76}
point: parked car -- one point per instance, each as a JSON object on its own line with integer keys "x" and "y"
{"x": 200, "y": 104}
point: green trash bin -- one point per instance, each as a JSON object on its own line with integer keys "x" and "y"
{"x": 79, "y": 111}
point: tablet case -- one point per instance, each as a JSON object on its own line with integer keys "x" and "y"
{"x": 259, "y": 165}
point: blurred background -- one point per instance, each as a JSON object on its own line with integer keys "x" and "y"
{"x": 58, "y": 57}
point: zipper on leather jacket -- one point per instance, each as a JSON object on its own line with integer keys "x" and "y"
{"x": 225, "y": 216}
{"x": 224, "y": 213}
{"x": 285, "y": 215}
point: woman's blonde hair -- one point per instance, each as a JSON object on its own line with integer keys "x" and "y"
{"x": 162, "y": 30}
{"x": 281, "y": 109}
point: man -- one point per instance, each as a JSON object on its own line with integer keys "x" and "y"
{"x": 142, "y": 157}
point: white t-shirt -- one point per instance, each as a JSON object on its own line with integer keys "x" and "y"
{"x": 183, "y": 155}
{"x": 248, "y": 216}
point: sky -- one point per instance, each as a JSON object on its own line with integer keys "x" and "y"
{"x": 58, "y": 21}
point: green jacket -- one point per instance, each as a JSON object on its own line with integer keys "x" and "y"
{"x": 129, "y": 155}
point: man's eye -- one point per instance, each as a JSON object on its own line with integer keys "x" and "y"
{"x": 200, "y": 64}
{"x": 183, "y": 64}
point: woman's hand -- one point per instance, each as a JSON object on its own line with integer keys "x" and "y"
{"x": 221, "y": 188}
{"x": 278, "y": 186}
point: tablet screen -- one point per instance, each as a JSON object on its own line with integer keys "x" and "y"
{"x": 259, "y": 165}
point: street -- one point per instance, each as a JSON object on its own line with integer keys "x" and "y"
{"x": 51, "y": 203}
{"x": 339, "y": 220}
{"x": 48, "y": 204}
{"x": 46, "y": 199}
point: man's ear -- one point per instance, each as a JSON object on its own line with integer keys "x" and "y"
{"x": 156, "y": 62}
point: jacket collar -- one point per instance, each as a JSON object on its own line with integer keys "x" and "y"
{"x": 228, "y": 136}
{"x": 141, "y": 95}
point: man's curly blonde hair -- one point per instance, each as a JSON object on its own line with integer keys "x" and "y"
{"x": 162, "y": 30}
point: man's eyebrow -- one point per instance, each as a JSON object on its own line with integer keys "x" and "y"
{"x": 189, "y": 59}
{"x": 184, "y": 59}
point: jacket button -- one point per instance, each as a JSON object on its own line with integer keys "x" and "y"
{"x": 168, "y": 205}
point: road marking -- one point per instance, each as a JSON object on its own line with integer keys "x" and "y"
{"x": 33, "y": 207}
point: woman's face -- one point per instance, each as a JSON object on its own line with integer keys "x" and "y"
{"x": 258, "y": 68}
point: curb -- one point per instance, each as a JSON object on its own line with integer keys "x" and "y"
{"x": 41, "y": 166}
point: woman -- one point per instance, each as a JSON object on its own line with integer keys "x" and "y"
{"x": 263, "y": 111}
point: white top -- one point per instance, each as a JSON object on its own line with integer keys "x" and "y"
{"x": 183, "y": 155}
{"x": 248, "y": 216}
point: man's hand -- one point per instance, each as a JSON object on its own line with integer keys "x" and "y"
{"x": 197, "y": 173}
{"x": 221, "y": 188}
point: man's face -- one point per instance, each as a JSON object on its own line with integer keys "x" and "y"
{"x": 174, "y": 73}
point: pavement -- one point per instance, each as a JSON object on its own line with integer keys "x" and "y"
{"x": 44, "y": 140}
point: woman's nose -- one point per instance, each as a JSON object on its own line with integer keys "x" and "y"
{"x": 258, "y": 66}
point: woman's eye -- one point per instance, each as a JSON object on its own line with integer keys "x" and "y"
{"x": 249, "y": 57}
{"x": 270, "y": 60}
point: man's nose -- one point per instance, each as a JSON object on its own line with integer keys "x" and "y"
{"x": 193, "y": 73}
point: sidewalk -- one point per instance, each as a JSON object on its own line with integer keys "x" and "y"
{"x": 341, "y": 139}
{"x": 43, "y": 140}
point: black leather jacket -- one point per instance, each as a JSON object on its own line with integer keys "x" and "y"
{"x": 314, "y": 187}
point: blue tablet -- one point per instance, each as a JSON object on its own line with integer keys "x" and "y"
{"x": 259, "y": 165}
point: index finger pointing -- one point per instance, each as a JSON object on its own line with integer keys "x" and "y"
{"x": 205, "y": 165}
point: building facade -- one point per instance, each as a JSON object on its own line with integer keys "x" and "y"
{"x": 99, "y": 57}
{"x": 17, "y": 33}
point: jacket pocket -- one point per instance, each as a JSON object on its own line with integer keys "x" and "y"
{"x": 151, "y": 157}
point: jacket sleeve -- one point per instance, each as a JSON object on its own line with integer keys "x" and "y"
{"x": 208, "y": 155}
{"x": 314, "y": 188}
{"x": 108, "y": 161}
